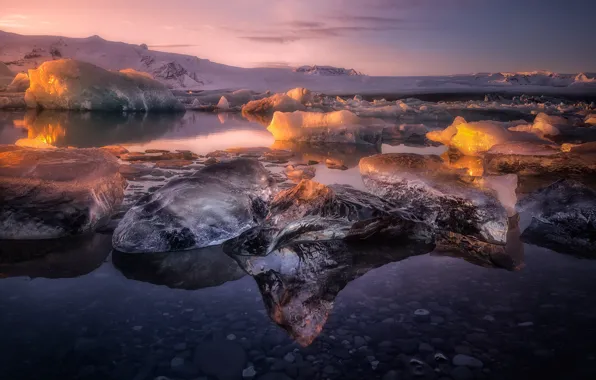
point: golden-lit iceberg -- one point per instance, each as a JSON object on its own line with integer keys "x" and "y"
{"x": 72, "y": 85}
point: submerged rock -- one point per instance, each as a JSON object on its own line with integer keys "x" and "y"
{"x": 72, "y": 85}
{"x": 424, "y": 187}
{"x": 195, "y": 269}
{"x": 563, "y": 218}
{"x": 51, "y": 193}
{"x": 215, "y": 204}
{"x": 331, "y": 127}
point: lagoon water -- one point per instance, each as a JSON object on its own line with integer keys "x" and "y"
{"x": 78, "y": 310}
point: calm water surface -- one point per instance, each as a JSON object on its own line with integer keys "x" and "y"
{"x": 76, "y": 310}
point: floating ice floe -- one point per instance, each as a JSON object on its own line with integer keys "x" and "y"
{"x": 73, "y": 85}
{"x": 51, "y": 193}
{"x": 215, "y": 204}
{"x": 332, "y": 127}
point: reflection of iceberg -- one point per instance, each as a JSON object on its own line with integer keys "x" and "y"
{"x": 190, "y": 270}
{"x": 55, "y": 258}
{"x": 299, "y": 282}
{"x": 509, "y": 256}
{"x": 87, "y": 129}
{"x": 345, "y": 154}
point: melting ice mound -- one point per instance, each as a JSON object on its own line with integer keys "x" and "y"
{"x": 72, "y": 85}
{"x": 332, "y": 127}
{"x": 215, "y": 204}
{"x": 59, "y": 192}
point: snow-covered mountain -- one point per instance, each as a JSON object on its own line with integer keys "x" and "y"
{"x": 185, "y": 72}
{"x": 326, "y": 70}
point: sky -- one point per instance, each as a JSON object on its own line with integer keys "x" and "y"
{"x": 377, "y": 37}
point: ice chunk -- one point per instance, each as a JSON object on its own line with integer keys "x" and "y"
{"x": 590, "y": 119}
{"x": 504, "y": 187}
{"x": 332, "y": 127}
{"x": 223, "y": 104}
{"x": 544, "y": 125}
{"x": 20, "y": 83}
{"x": 311, "y": 211}
{"x": 57, "y": 192}
{"x": 563, "y": 218}
{"x": 302, "y": 95}
{"x": 273, "y": 103}
{"x": 73, "y": 85}
{"x": 476, "y": 138}
{"x": 425, "y": 187}
{"x": 215, "y": 204}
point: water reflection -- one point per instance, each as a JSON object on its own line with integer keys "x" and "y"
{"x": 55, "y": 258}
{"x": 197, "y": 131}
{"x": 195, "y": 269}
{"x": 348, "y": 155}
{"x": 300, "y": 282}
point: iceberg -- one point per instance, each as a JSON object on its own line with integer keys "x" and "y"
{"x": 213, "y": 205}
{"x": 52, "y": 193}
{"x": 332, "y": 127}
{"x": 72, "y": 85}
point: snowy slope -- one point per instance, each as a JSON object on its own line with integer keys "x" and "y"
{"x": 184, "y": 72}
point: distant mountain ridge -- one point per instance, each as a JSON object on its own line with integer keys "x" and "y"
{"x": 190, "y": 73}
{"x": 326, "y": 70}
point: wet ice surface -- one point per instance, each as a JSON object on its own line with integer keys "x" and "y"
{"x": 77, "y": 310}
